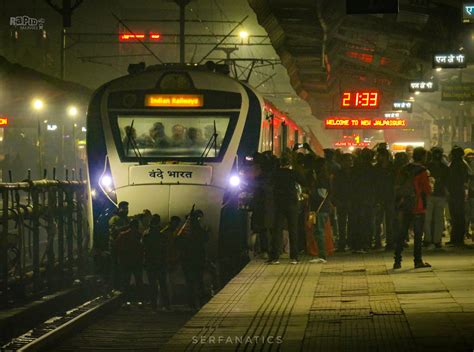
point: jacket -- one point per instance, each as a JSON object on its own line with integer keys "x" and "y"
{"x": 422, "y": 187}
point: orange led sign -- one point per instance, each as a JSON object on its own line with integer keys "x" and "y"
{"x": 174, "y": 100}
{"x": 363, "y": 123}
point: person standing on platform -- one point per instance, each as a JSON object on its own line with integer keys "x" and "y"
{"x": 130, "y": 260}
{"x": 342, "y": 190}
{"x": 434, "y": 218}
{"x": 286, "y": 208}
{"x": 155, "y": 245}
{"x": 385, "y": 199}
{"x": 412, "y": 192}
{"x": 117, "y": 223}
{"x": 320, "y": 204}
{"x": 458, "y": 186}
{"x": 363, "y": 201}
{"x": 191, "y": 242}
{"x": 262, "y": 203}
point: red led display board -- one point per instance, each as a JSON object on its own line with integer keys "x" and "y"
{"x": 128, "y": 37}
{"x": 3, "y": 121}
{"x": 360, "y": 100}
{"x": 363, "y": 123}
{"x": 131, "y": 37}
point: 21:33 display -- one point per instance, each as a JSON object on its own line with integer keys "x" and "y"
{"x": 360, "y": 100}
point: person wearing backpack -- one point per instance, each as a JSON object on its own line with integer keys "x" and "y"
{"x": 412, "y": 191}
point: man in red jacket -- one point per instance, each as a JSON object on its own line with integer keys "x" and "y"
{"x": 413, "y": 189}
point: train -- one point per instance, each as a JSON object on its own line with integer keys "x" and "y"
{"x": 168, "y": 137}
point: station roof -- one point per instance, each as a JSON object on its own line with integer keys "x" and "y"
{"x": 326, "y": 51}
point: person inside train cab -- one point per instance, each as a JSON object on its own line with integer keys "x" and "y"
{"x": 157, "y": 136}
{"x": 194, "y": 137}
{"x": 178, "y": 136}
{"x": 117, "y": 223}
{"x": 129, "y": 138}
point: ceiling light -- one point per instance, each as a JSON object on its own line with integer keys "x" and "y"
{"x": 243, "y": 34}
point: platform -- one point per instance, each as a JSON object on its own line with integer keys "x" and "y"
{"x": 355, "y": 302}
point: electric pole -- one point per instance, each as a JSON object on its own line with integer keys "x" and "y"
{"x": 182, "y": 21}
{"x": 66, "y": 12}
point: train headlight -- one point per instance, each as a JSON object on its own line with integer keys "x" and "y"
{"x": 106, "y": 181}
{"x": 234, "y": 181}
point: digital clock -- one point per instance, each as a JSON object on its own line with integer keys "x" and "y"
{"x": 360, "y": 100}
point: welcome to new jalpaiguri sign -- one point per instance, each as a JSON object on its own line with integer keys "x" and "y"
{"x": 457, "y": 91}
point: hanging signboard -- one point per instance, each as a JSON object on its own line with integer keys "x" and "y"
{"x": 403, "y": 105}
{"x": 363, "y": 123}
{"x": 457, "y": 92}
{"x": 449, "y": 60}
{"x": 391, "y": 114}
{"x": 422, "y": 86}
{"x": 468, "y": 12}
{"x": 362, "y": 7}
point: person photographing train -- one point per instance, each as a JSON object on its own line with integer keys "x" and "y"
{"x": 191, "y": 242}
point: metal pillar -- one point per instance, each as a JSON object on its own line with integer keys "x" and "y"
{"x": 63, "y": 54}
{"x": 36, "y": 228}
{"x": 4, "y": 243}
{"x": 182, "y": 22}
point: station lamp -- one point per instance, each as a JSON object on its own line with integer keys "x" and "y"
{"x": 38, "y": 104}
{"x": 72, "y": 111}
{"x": 417, "y": 92}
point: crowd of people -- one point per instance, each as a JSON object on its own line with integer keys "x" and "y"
{"x": 369, "y": 199}
{"x": 143, "y": 244}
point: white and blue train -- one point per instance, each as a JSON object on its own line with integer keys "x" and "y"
{"x": 172, "y": 136}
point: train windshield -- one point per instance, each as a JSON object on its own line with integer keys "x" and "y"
{"x": 172, "y": 136}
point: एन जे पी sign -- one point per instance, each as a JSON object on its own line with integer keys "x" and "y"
{"x": 450, "y": 60}
{"x": 457, "y": 92}
{"x": 422, "y": 86}
{"x": 403, "y": 105}
{"x": 468, "y": 12}
{"x": 391, "y": 114}
{"x": 363, "y": 123}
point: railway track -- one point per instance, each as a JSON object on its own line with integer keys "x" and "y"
{"x": 101, "y": 324}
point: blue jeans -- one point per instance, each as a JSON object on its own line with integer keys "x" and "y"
{"x": 318, "y": 233}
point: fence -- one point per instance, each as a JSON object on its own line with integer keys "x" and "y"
{"x": 44, "y": 236}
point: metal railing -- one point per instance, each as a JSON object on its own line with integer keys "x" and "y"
{"x": 43, "y": 236}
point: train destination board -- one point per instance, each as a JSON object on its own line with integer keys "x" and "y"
{"x": 174, "y": 100}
